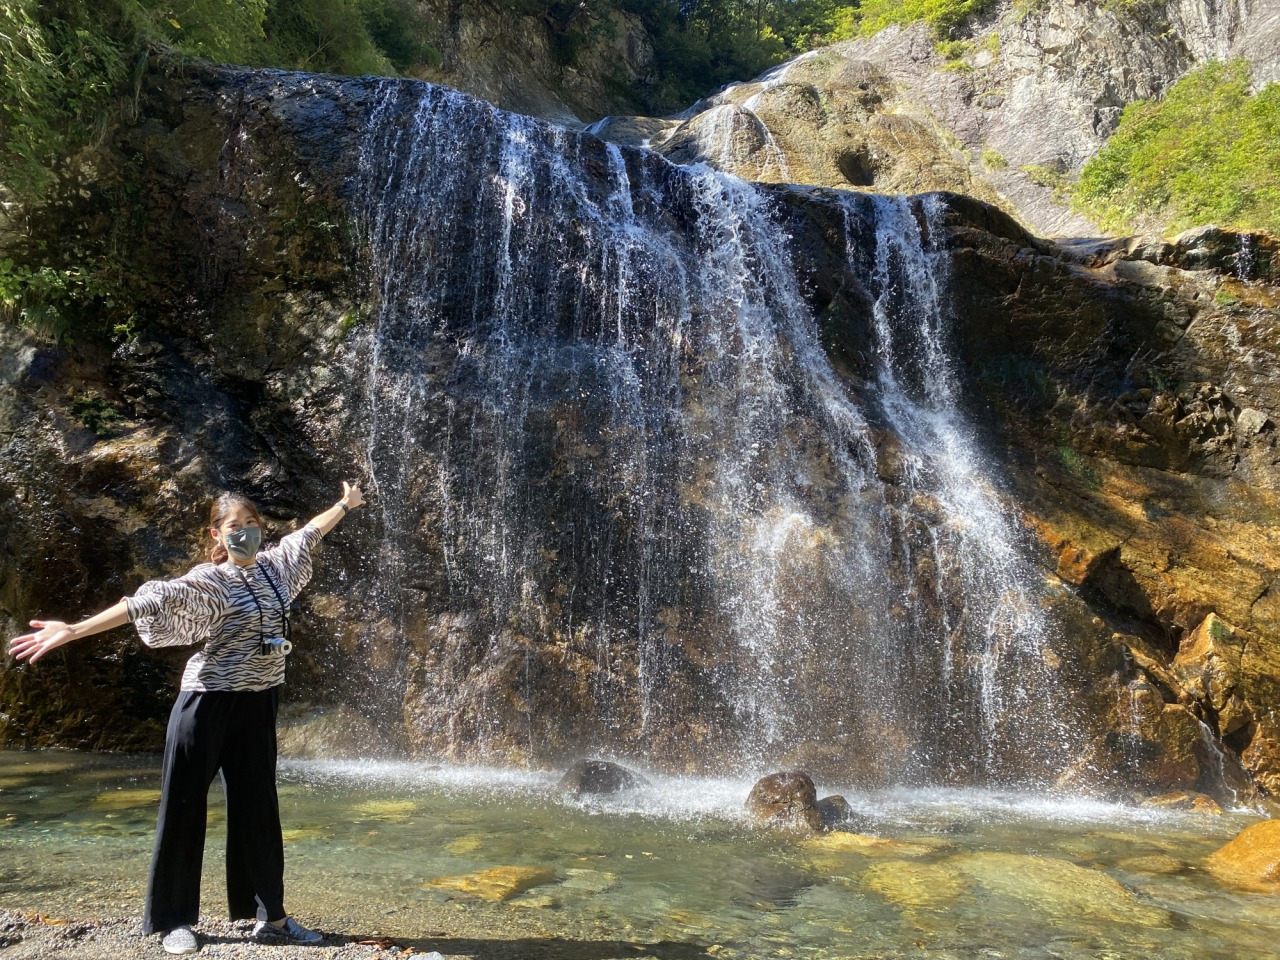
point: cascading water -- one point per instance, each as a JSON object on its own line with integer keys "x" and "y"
{"x": 628, "y": 502}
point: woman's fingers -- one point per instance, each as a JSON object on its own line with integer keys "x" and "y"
{"x": 33, "y": 646}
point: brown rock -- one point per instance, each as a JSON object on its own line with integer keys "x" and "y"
{"x": 1252, "y": 859}
{"x": 1184, "y": 800}
{"x": 599, "y": 777}
{"x": 1208, "y": 667}
{"x": 834, "y": 809}
{"x": 786, "y": 799}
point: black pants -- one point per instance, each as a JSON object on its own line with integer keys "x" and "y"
{"x": 235, "y": 732}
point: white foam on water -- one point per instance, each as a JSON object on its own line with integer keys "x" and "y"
{"x": 692, "y": 799}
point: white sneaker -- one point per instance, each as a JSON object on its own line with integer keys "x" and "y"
{"x": 180, "y": 941}
{"x": 291, "y": 931}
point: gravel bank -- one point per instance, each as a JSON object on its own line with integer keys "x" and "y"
{"x": 31, "y": 936}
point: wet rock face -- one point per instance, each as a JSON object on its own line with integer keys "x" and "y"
{"x": 557, "y": 553}
{"x": 1142, "y": 455}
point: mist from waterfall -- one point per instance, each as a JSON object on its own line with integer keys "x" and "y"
{"x": 624, "y": 490}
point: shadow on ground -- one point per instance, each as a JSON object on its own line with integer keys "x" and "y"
{"x": 538, "y": 948}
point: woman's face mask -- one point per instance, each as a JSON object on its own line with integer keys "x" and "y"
{"x": 243, "y": 543}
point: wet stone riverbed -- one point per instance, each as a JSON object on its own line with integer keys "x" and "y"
{"x": 489, "y": 863}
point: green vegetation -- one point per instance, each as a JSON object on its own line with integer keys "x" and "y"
{"x": 98, "y": 415}
{"x": 71, "y": 70}
{"x": 994, "y": 160}
{"x": 943, "y": 16}
{"x": 1050, "y": 177}
{"x": 1209, "y": 152}
{"x": 953, "y": 49}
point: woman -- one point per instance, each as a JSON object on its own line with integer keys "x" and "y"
{"x": 224, "y": 719}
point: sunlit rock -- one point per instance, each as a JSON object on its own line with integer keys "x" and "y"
{"x": 497, "y": 884}
{"x": 1251, "y": 859}
{"x": 1058, "y": 888}
{"x": 1208, "y": 667}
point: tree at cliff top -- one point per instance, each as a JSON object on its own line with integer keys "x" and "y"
{"x": 703, "y": 44}
{"x": 1209, "y": 152}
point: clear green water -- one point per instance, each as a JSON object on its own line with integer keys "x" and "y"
{"x": 978, "y": 874}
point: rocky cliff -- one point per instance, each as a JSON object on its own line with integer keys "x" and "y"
{"x": 1007, "y": 112}
{"x": 519, "y": 63}
{"x": 576, "y": 538}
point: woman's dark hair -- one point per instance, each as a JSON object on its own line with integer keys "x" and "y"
{"x": 218, "y": 512}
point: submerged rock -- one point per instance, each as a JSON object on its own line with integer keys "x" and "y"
{"x": 1153, "y": 864}
{"x": 497, "y": 884}
{"x": 1184, "y": 800}
{"x": 786, "y": 799}
{"x": 869, "y": 846}
{"x": 1251, "y": 859}
{"x": 592, "y": 777}
{"x": 1058, "y": 888}
{"x": 916, "y": 885}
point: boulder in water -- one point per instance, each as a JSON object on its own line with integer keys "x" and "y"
{"x": 834, "y": 809}
{"x": 592, "y": 777}
{"x": 1252, "y": 859}
{"x": 786, "y": 799}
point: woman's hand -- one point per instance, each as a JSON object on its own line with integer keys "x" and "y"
{"x": 351, "y": 495}
{"x": 51, "y": 635}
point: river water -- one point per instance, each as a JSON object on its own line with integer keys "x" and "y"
{"x": 673, "y": 869}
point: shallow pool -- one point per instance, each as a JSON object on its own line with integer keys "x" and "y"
{"x": 413, "y": 851}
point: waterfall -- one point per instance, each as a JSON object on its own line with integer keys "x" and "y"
{"x": 629, "y": 503}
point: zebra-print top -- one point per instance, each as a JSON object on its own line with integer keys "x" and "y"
{"x": 232, "y": 610}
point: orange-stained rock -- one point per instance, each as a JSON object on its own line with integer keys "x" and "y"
{"x": 1252, "y": 859}
{"x": 1208, "y": 667}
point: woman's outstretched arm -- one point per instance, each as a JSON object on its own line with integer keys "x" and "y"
{"x": 351, "y": 498}
{"x": 54, "y": 633}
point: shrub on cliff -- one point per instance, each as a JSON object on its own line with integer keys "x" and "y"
{"x": 1209, "y": 152}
